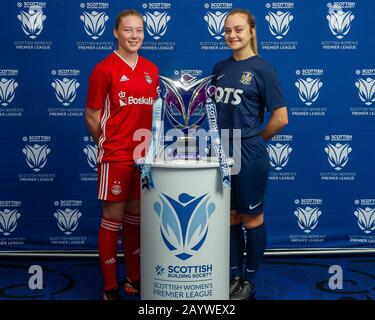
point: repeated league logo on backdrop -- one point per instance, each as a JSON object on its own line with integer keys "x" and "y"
{"x": 8, "y": 221}
{"x": 339, "y": 21}
{"x": 279, "y": 23}
{"x": 308, "y": 89}
{"x": 279, "y": 155}
{"x": 338, "y": 155}
{"x": 91, "y": 152}
{"x": 307, "y": 218}
{"x": 156, "y": 23}
{"x": 65, "y": 90}
{"x": 365, "y": 219}
{"x": 67, "y": 219}
{"x": 36, "y": 156}
{"x": 32, "y": 21}
{"x": 215, "y": 23}
{"x": 7, "y": 91}
{"x": 366, "y": 90}
{"x": 94, "y": 22}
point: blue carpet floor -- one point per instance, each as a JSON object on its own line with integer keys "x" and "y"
{"x": 279, "y": 278}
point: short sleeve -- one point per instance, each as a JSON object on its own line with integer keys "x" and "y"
{"x": 214, "y": 74}
{"x": 99, "y": 84}
{"x": 270, "y": 90}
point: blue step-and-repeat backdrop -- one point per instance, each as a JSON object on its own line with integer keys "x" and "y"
{"x": 322, "y": 184}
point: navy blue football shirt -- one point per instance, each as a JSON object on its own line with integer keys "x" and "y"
{"x": 245, "y": 89}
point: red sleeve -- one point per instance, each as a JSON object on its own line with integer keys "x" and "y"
{"x": 99, "y": 84}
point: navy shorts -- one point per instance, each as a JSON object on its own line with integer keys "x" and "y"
{"x": 249, "y": 186}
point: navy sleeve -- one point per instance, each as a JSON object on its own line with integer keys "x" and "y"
{"x": 214, "y": 73}
{"x": 270, "y": 89}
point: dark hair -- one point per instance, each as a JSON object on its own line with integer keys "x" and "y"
{"x": 126, "y": 13}
{"x": 251, "y": 22}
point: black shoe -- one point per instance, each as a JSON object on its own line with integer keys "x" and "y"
{"x": 244, "y": 292}
{"x": 235, "y": 283}
{"x": 112, "y": 294}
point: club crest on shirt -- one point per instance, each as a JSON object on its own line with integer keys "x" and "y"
{"x": 246, "y": 77}
{"x": 148, "y": 78}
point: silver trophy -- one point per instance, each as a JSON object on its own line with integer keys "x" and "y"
{"x": 184, "y": 101}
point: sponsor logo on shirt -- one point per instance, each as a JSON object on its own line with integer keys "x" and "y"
{"x": 124, "y": 78}
{"x": 246, "y": 77}
{"x": 123, "y": 100}
{"x": 228, "y": 95}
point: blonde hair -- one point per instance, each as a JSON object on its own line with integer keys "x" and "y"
{"x": 126, "y": 13}
{"x": 251, "y": 22}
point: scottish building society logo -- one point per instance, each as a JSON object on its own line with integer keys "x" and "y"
{"x": 156, "y": 23}
{"x": 366, "y": 90}
{"x": 215, "y": 23}
{"x": 65, "y": 90}
{"x": 8, "y": 221}
{"x": 279, "y": 155}
{"x": 36, "y": 156}
{"x": 7, "y": 91}
{"x": 67, "y": 220}
{"x": 184, "y": 222}
{"x": 308, "y": 90}
{"x": 94, "y": 23}
{"x": 32, "y": 21}
{"x": 339, "y": 22}
{"x": 338, "y": 155}
{"x": 307, "y": 218}
{"x": 279, "y": 23}
{"x": 366, "y": 219}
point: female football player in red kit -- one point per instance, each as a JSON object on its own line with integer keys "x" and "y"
{"x": 121, "y": 91}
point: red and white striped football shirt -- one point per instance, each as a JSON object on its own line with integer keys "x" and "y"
{"x": 125, "y": 95}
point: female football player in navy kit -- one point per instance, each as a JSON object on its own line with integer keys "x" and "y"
{"x": 122, "y": 88}
{"x": 247, "y": 87}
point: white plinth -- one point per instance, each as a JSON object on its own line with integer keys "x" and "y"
{"x": 185, "y": 233}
